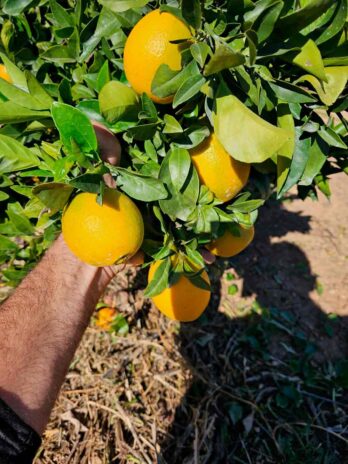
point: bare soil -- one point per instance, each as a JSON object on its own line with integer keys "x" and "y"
{"x": 168, "y": 393}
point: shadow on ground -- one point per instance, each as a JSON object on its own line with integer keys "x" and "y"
{"x": 269, "y": 384}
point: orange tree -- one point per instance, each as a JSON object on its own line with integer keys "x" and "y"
{"x": 218, "y": 106}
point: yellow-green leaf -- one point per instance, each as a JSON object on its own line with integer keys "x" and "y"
{"x": 309, "y": 59}
{"x": 285, "y": 120}
{"x": 283, "y": 160}
{"x": 328, "y": 92}
{"x": 118, "y": 101}
{"x": 246, "y": 136}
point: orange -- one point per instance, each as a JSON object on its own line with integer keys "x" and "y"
{"x": 222, "y": 174}
{"x": 104, "y": 318}
{"x": 229, "y": 245}
{"x": 148, "y": 46}
{"x": 183, "y": 301}
{"x": 105, "y": 234}
{"x": 4, "y": 74}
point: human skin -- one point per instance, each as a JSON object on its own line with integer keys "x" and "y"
{"x": 42, "y": 324}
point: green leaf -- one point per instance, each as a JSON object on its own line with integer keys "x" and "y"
{"x": 195, "y": 257}
{"x": 53, "y": 195}
{"x": 328, "y": 92}
{"x": 91, "y": 109}
{"x": 74, "y": 128}
{"x": 3, "y": 196}
{"x": 19, "y": 220}
{"x": 234, "y": 122}
{"x": 180, "y": 204}
{"x": 192, "y": 13}
{"x": 88, "y": 182}
{"x": 149, "y": 110}
{"x": 252, "y": 40}
{"x": 139, "y": 187}
{"x": 166, "y": 81}
{"x": 317, "y": 157}
{"x": 11, "y": 113}
{"x": 337, "y": 24}
{"x": 20, "y": 97}
{"x": 268, "y": 21}
{"x": 172, "y": 126}
{"x": 179, "y": 166}
{"x": 332, "y": 138}
{"x": 297, "y": 20}
{"x": 160, "y": 279}
{"x": 200, "y": 51}
{"x": 103, "y": 76}
{"x": 14, "y": 156}
{"x": 223, "y": 58}
{"x": 117, "y": 102}
{"x": 298, "y": 163}
{"x": 188, "y": 89}
{"x": 246, "y": 206}
{"x": 17, "y": 76}
{"x": 15, "y": 7}
{"x": 60, "y": 54}
{"x": 61, "y": 17}
{"x": 290, "y": 93}
{"x": 123, "y": 5}
{"x": 207, "y": 220}
{"x": 6, "y": 244}
{"x": 192, "y": 136}
{"x": 108, "y": 25}
{"x": 38, "y": 92}
{"x": 143, "y": 131}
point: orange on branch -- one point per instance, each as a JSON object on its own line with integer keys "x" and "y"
{"x": 183, "y": 301}
{"x": 229, "y": 245}
{"x": 102, "y": 235}
{"x": 222, "y": 174}
{"x": 149, "y": 45}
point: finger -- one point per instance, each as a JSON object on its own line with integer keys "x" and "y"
{"x": 109, "y": 146}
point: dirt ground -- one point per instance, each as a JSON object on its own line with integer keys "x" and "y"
{"x": 162, "y": 393}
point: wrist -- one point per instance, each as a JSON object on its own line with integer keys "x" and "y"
{"x": 76, "y": 279}
{"x": 74, "y": 283}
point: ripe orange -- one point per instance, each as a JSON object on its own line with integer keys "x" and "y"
{"x": 229, "y": 245}
{"x": 148, "y": 46}
{"x": 183, "y": 301}
{"x": 104, "y": 318}
{"x": 4, "y": 74}
{"x": 222, "y": 174}
{"x": 103, "y": 235}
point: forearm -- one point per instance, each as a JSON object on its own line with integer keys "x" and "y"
{"x": 41, "y": 325}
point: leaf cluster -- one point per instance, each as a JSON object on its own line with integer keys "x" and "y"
{"x": 269, "y": 77}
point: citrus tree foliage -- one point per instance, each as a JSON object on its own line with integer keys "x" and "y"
{"x": 268, "y": 76}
